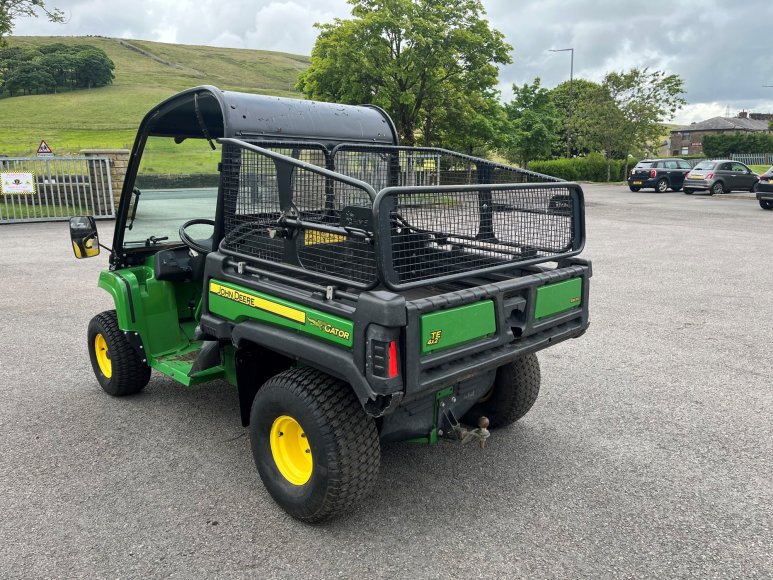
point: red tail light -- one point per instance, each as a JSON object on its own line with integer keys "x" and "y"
{"x": 653, "y": 173}
{"x": 709, "y": 175}
{"x": 393, "y": 359}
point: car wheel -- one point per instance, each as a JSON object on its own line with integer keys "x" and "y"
{"x": 676, "y": 189}
{"x": 315, "y": 448}
{"x": 117, "y": 366}
{"x": 514, "y": 392}
{"x": 688, "y": 191}
{"x": 662, "y": 185}
{"x": 717, "y": 188}
{"x": 765, "y": 204}
{"x": 634, "y": 187}
{"x": 754, "y": 187}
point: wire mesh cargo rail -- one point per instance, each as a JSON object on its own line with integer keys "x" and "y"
{"x": 401, "y": 217}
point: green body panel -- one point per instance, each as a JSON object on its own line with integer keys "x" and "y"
{"x": 447, "y": 328}
{"x": 238, "y": 304}
{"x": 559, "y": 297}
{"x": 165, "y": 317}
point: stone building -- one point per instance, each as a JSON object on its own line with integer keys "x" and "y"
{"x": 688, "y": 140}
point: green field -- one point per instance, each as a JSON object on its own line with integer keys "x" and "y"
{"x": 145, "y": 74}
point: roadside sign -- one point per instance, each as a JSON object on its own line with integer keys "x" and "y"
{"x": 44, "y": 150}
{"x": 17, "y": 183}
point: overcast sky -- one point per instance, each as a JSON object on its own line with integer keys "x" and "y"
{"x": 720, "y": 49}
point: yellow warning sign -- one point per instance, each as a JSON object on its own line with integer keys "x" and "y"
{"x": 315, "y": 237}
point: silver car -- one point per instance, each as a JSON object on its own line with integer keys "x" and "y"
{"x": 721, "y": 176}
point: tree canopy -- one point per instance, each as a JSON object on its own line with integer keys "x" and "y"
{"x": 432, "y": 64}
{"x": 10, "y": 10}
{"x": 53, "y": 67}
{"x": 533, "y": 123}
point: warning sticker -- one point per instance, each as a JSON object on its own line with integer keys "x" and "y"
{"x": 316, "y": 237}
{"x": 17, "y": 183}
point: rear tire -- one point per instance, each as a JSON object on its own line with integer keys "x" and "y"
{"x": 765, "y": 204}
{"x": 634, "y": 188}
{"x": 662, "y": 185}
{"x": 117, "y": 366}
{"x": 717, "y": 188}
{"x": 676, "y": 188}
{"x": 515, "y": 391}
{"x": 688, "y": 191}
{"x": 328, "y": 460}
{"x": 755, "y": 187}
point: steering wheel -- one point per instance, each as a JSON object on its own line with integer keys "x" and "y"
{"x": 197, "y": 246}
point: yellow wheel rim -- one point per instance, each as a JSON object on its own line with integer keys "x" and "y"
{"x": 103, "y": 356}
{"x": 291, "y": 450}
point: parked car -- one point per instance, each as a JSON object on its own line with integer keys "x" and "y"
{"x": 659, "y": 174}
{"x": 721, "y": 176}
{"x": 765, "y": 189}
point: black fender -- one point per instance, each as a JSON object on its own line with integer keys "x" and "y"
{"x": 333, "y": 361}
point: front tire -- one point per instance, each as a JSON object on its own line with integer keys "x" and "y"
{"x": 662, "y": 185}
{"x": 515, "y": 391}
{"x": 117, "y": 366}
{"x": 765, "y": 204}
{"x": 315, "y": 448}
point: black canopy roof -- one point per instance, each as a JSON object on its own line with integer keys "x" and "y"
{"x": 262, "y": 117}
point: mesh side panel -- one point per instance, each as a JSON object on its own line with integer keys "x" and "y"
{"x": 258, "y": 191}
{"x": 416, "y": 166}
{"x": 445, "y": 233}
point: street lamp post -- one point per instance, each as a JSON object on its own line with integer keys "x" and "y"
{"x": 571, "y": 79}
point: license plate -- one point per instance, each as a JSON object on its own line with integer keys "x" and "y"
{"x": 636, "y": 182}
{"x": 695, "y": 176}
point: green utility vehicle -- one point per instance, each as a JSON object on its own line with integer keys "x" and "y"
{"x": 354, "y": 291}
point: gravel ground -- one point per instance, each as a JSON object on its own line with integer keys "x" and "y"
{"x": 648, "y": 455}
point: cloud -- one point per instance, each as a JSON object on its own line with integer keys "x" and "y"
{"x": 720, "y": 52}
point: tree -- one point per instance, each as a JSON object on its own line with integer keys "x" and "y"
{"x": 573, "y": 127}
{"x": 534, "y": 123}
{"x": 646, "y": 100}
{"x": 424, "y": 61}
{"x": 10, "y": 10}
{"x": 602, "y": 124}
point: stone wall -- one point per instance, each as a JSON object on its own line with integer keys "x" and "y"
{"x": 119, "y": 159}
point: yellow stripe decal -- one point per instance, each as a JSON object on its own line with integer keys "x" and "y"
{"x": 258, "y": 302}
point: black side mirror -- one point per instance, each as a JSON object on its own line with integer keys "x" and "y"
{"x": 83, "y": 234}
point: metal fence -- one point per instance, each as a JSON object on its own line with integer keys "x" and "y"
{"x": 753, "y": 158}
{"x": 63, "y": 187}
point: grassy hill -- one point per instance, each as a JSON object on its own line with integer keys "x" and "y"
{"x": 145, "y": 74}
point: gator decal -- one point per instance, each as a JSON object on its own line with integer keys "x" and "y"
{"x": 316, "y": 237}
{"x": 237, "y": 303}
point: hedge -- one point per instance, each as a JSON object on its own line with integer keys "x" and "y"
{"x": 590, "y": 168}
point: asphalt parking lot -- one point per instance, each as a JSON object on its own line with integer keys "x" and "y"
{"x": 649, "y": 453}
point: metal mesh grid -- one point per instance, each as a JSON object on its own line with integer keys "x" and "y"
{"x": 271, "y": 208}
{"x": 384, "y": 166}
{"x": 447, "y": 233}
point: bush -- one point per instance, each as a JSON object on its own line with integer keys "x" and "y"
{"x": 590, "y": 168}
{"x": 725, "y": 144}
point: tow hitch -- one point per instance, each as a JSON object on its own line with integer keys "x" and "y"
{"x": 466, "y": 434}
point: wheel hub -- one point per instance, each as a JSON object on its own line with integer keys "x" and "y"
{"x": 291, "y": 450}
{"x": 103, "y": 356}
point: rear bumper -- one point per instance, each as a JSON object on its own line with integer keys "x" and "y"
{"x": 765, "y": 191}
{"x": 697, "y": 184}
{"x": 641, "y": 182}
{"x": 518, "y": 333}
